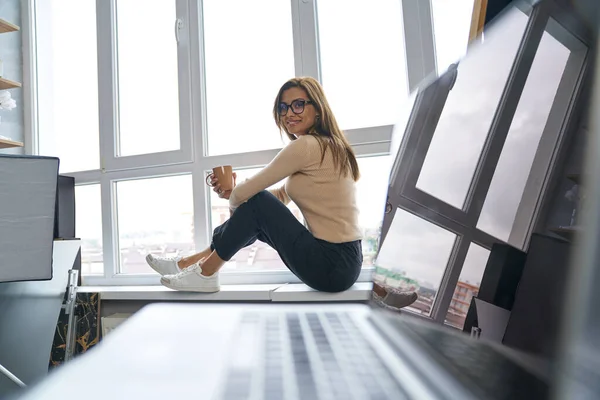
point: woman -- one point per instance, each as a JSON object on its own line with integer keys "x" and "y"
{"x": 321, "y": 171}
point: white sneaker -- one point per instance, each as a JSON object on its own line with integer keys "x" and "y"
{"x": 164, "y": 265}
{"x": 192, "y": 280}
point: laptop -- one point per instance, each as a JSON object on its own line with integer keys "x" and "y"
{"x": 276, "y": 351}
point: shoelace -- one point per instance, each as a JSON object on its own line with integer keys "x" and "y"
{"x": 166, "y": 258}
{"x": 191, "y": 269}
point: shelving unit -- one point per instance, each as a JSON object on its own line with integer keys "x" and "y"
{"x": 8, "y": 84}
{"x": 6, "y": 27}
{"x": 5, "y": 144}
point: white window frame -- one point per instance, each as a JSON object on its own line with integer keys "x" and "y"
{"x": 428, "y": 107}
{"x": 108, "y": 91}
{"x": 192, "y": 158}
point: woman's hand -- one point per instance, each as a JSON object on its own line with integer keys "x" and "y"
{"x": 223, "y": 194}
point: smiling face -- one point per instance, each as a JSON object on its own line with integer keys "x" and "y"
{"x": 298, "y": 124}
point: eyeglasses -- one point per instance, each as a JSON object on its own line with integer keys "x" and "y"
{"x": 297, "y": 106}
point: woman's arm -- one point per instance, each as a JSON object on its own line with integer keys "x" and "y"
{"x": 292, "y": 158}
{"x": 281, "y": 194}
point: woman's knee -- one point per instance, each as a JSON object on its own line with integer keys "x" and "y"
{"x": 262, "y": 195}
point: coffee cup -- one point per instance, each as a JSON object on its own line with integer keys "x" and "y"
{"x": 224, "y": 175}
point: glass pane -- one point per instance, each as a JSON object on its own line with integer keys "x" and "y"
{"x": 371, "y": 191}
{"x": 246, "y": 64}
{"x": 67, "y": 85}
{"x": 508, "y": 185}
{"x": 154, "y": 216}
{"x": 468, "y": 285}
{"x": 88, "y": 217}
{"x": 147, "y": 72}
{"x": 451, "y": 26}
{"x": 467, "y": 116}
{"x": 363, "y": 62}
{"x": 414, "y": 256}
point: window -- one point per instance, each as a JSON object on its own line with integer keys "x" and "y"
{"x": 451, "y": 23}
{"x": 468, "y": 285}
{"x": 147, "y": 77}
{"x": 480, "y": 151}
{"x": 163, "y": 95}
{"x": 88, "y": 219}
{"x": 415, "y": 254}
{"x": 67, "y": 87}
{"x": 501, "y": 205}
{"x": 246, "y": 63}
{"x": 154, "y": 216}
{"x": 467, "y": 116}
{"x": 362, "y": 60}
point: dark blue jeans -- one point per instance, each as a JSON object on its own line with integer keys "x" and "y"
{"x": 324, "y": 266}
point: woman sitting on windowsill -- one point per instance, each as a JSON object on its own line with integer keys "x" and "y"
{"x": 321, "y": 171}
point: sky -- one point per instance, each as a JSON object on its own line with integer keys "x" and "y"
{"x": 364, "y": 76}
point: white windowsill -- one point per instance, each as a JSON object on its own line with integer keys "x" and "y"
{"x": 276, "y": 293}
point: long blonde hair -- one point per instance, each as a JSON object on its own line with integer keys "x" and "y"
{"x": 325, "y": 129}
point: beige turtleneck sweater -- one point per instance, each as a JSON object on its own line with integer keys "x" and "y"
{"x": 326, "y": 199}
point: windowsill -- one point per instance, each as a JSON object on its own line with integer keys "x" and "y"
{"x": 275, "y": 293}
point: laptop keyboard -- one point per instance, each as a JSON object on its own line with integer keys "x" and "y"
{"x": 305, "y": 356}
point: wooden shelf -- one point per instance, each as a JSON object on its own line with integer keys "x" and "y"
{"x": 8, "y": 84}
{"x": 567, "y": 232}
{"x": 5, "y": 144}
{"x": 6, "y": 26}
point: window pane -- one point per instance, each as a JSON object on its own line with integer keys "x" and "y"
{"x": 246, "y": 64}
{"x": 371, "y": 191}
{"x": 468, "y": 285}
{"x": 414, "y": 256}
{"x": 467, "y": 116}
{"x": 67, "y": 79}
{"x": 508, "y": 185}
{"x": 147, "y": 72}
{"x": 89, "y": 228}
{"x": 451, "y": 26}
{"x": 363, "y": 62}
{"x": 154, "y": 216}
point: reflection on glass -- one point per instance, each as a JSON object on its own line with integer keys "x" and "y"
{"x": 362, "y": 60}
{"x": 148, "y": 77}
{"x": 67, "y": 78}
{"x": 413, "y": 257}
{"x": 468, "y": 113}
{"x": 508, "y": 185}
{"x": 246, "y": 64}
{"x": 371, "y": 190}
{"x": 451, "y": 26}
{"x": 468, "y": 285}
{"x": 154, "y": 216}
{"x": 88, "y": 220}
